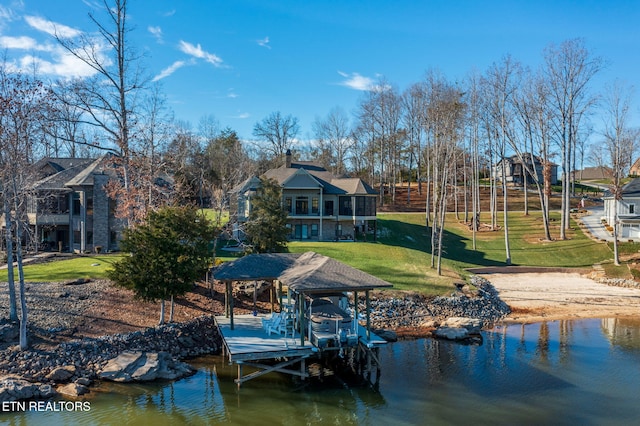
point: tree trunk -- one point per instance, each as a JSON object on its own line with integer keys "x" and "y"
{"x": 13, "y": 305}
{"x": 171, "y": 309}
{"x": 161, "y": 322}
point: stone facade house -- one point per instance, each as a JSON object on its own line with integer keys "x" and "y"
{"x": 627, "y": 210}
{"x": 515, "y": 171}
{"x": 320, "y": 206}
{"x": 69, "y": 209}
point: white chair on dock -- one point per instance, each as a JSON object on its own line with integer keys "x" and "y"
{"x": 273, "y": 324}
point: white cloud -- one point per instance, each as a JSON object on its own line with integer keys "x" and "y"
{"x": 6, "y": 15}
{"x": 157, "y": 33}
{"x": 197, "y": 52}
{"x": 23, "y": 42}
{"x": 242, "y": 116}
{"x": 169, "y": 13}
{"x": 356, "y": 81}
{"x": 51, "y": 27}
{"x": 169, "y": 70}
{"x": 264, "y": 42}
{"x": 64, "y": 65}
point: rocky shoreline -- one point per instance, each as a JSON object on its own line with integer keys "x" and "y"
{"x": 84, "y": 359}
{"x": 34, "y": 373}
{"x": 420, "y": 312}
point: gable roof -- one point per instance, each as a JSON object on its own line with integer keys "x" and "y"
{"x": 330, "y": 183}
{"x": 307, "y": 273}
{"x": 630, "y": 190}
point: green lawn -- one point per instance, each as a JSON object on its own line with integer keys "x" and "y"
{"x": 67, "y": 269}
{"x": 402, "y": 254}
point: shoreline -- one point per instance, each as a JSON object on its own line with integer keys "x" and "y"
{"x": 521, "y": 296}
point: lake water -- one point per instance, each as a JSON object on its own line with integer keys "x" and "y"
{"x": 563, "y": 372}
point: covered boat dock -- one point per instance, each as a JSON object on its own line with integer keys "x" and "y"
{"x": 314, "y": 317}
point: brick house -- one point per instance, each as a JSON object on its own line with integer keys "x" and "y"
{"x": 70, "y": 209}
{"x": 320, "y": 205}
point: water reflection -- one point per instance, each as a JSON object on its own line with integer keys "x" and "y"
{"x": 562, "y": 372}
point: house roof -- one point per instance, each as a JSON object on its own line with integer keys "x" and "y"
{"x": 54, "y": 173}
{"x": 307, "y": 273}
{"x": 330, "y": 183}
{"x": 630, "y": 190}
{"x": 599, "y": 172}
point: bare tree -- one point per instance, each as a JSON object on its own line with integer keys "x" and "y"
{"x": 108, "y": 99}
{"x": 569, "y": 68}
{"x": 620, "y": 142}
{"x": 23, "y": 105}
{"x": 279, "y": 132}
{"x": 334, "y": 138}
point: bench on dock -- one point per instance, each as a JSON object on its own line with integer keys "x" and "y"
{"x": 274, "y": 323}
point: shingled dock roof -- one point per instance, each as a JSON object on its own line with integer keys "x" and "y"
{"x": 306, "y": 273}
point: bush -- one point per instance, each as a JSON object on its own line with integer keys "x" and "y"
{"x": 635, "y": 274}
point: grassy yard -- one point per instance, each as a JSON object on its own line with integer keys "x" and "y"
{"x": 68, "y": 269}
{"x": 402, "y": 254}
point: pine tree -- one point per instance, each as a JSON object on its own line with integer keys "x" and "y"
{"x": 266, "y": 228}
{"x": 167, "y": 255}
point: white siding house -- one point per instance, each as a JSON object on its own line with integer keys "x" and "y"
{"x": 627, "y": 210}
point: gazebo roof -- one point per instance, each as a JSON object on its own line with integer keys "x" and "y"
{"x": 267, "y": 266}
{"x": 307, "y": 273}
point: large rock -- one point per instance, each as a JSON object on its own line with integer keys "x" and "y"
{"x": 62, "y": 374}
{"x": 451, "y": 333}
{"x": 138, "y": 366}
{"x": 73, "y": 390}
{"x": 15, "y": 389}
{"x": 472, "y": 325}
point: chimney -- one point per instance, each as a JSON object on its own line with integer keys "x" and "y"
{"x": 288, "y": 159}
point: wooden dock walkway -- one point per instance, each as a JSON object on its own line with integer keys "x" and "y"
{"x": 248, "y": 344}
{"x": 248, "y": 340}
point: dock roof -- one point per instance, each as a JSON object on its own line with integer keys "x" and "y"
{"x": 307, "y": 273}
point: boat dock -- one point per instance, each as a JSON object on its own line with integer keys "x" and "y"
{"x": 249, "y": 344}
{"x": 315, "y": 322}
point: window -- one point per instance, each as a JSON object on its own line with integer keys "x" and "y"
{"x": 302, "y": 232}
{"x": 345, "y": 208}
{"x": 89, "y": 201}
{"x": 76, "y": 203}
{"x": 632, "y": 208}
{"x": 338, "y": 230}
{"x": 328, "y": 208}
{"x": 302, "y": 205}
{"x": 288, "y": 204}
{"x": 314, "y": 205}
{"x": 314, "y": 229}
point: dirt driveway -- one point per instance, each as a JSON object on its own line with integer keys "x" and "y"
{"x": 542, "y": 296}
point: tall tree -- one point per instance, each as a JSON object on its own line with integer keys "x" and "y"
{"x": 569, "y": 68}
{"x": 266, "y": 228}
{"x": 334, "y": 139}
{"x": 279, "y": 132}
{"x": 24, "y": 103}
{"x": 108, "y": 99}
{"x": 620, "y": 141}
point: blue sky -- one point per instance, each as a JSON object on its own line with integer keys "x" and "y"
{"x": 241, "y": 60}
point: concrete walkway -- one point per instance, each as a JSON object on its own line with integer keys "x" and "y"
{"x": 593, "y": 224}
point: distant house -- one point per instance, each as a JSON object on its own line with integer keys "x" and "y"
{"x": 594, "y": 173}
{"x": 320, "y": 206}
{"x": 70, "y": 209}
{"x": 515, "y": 172}
{"x": 627, "y": 208}
{"x": 634, "y": 170}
